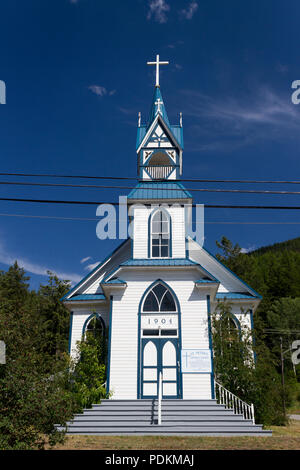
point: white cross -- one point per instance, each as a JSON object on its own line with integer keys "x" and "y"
{"x": 158, "y": 103}
{"x": 157, "y": 63}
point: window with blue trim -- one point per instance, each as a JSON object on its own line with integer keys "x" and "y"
{"x": 95, "y": 328}
{"x": 160, "y": 235}
{"x": 159, "y": 299}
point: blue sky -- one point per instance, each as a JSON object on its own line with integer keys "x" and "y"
{"x": 76, "y": 77}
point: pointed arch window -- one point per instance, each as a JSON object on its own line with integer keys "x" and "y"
{"x": 160, "y": 234}
{"x": 94, "y": 327}
{"x": 159, "y": 299}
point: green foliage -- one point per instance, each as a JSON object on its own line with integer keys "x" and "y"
{"x": 257, "y": 383}
{"x": 89, "y": 372}
{"x": 275, "y": 273}
{"x": 33, "y": 392}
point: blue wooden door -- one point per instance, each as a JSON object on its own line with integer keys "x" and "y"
{"x": 160, "y": 355}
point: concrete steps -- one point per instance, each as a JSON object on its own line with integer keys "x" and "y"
{"x": 179, "y": 417}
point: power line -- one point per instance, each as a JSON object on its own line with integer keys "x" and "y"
{"x": 195, "y": 180}
{"x": 93, "y": 219}
{"x": 95, "y": 186}
{"x": 207, "y": 206}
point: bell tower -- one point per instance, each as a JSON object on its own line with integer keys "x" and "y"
{"x": 159, "y": 144}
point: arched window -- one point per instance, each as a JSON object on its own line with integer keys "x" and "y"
{"x": 160, "y": 234}
{"x": 159, "y": 299}
{"x": 94, "y": 327}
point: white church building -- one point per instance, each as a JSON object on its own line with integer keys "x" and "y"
{"x": 155, "y": 293}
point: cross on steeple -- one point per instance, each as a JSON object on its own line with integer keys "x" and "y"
{"x": 157, "y": 63}
{"x": 158, "y": 103}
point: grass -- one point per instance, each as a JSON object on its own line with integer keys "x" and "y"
{"x": 284, "y": 438}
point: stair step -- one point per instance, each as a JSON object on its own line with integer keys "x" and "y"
{"x": 154, "y": 428}
{"x": 148, "y": 418}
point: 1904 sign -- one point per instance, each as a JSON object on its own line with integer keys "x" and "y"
{"x": 159, "y": 321}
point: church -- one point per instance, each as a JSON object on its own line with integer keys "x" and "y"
{"x": 155, "y": 293}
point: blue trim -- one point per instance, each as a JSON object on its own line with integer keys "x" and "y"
{"x": 109, "y": 346}
{"x": 233, "y": 296}
{"x": 160, "y": 262}
{"x": 87, "y": 297}
{"x": 212, "y": 374}
{"x": 94, "y": 270}
{"x": 253, "y": 335}
{"x": 70, "y": 332}
{"x": 256, "y": 294}
{"x": 97, "y": 315}
{"x": 139, "y": 381}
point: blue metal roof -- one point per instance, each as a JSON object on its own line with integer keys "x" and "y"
{"x": 114, "y": 281}
{"x": 159, "y": 190}
{"x": 234, "y": 295}
{"x": 160, "y": 262}
{"x": 158, "y": 108}
{"x": 87, "y": 297}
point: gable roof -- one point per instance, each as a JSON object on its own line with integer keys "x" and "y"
{"x": 230, "y": 281}
{"x": 158, "y": 114}
{"x": 70, "y": 295}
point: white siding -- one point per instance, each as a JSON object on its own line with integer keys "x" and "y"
{"x": 141, "y": 231}
{"x": 228, "y": 281}
{"x": 196, "y": 386}
{"x": 79, "y": 317}
{"x": 124, "y": 334}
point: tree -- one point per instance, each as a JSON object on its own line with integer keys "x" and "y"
{"x": 89, "y": 371}
{"x": 54, "y": 314}
{"x": 254, "y": 381}
{"x": 33, "y": 392}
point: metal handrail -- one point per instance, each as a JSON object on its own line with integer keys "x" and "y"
{"x": 159, "y": 398}
{"x": 229, "y": 400}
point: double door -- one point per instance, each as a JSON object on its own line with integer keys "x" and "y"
{"x": 160, "y": 355}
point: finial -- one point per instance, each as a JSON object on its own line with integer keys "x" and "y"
{"x": 157, "y": 63}
{"x": 139, "y": 119}
{"x": 180, "y": 119}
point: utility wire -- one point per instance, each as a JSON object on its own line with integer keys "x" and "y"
{"x": 93, "y": 219}
{"x": 207, "y": 206}
{"x": 94, "y": 186}
{"x": 195, "y": 180}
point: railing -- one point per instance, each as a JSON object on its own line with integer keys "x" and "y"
{"x": 229, "y": 400}
{"x": 159, "y": 399}
{"x": 159, "y": 171}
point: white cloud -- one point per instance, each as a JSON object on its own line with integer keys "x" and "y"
{"x": 189, "y": 12}
{"x": 158, "y": 10}
{"x": 98, "y": 90}
{"x": 85, "y": 259}
{"x": 248, "y": 250}
{"x": 229, "y": 122}
{"x": 101, "y": 90}
{"x": 9, "y": 259}
{"x": 90, "y": 267}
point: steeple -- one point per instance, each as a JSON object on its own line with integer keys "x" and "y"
{"x": 158, "y": 107}
{"x": 159, "y": 144}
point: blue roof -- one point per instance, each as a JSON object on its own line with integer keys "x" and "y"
{"x": 114, "y": 281}
{"x": 158, "y": 108}
{"x": 159, "y": 190}
{"x": 87, "y": 297}
{"x": 234, "y": 295}
{"x": 160, "y": 262}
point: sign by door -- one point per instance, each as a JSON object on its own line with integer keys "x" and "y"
{"x": 196, "y": 360}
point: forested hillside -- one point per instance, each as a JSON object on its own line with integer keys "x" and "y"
{"x": 274, "y": 272}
